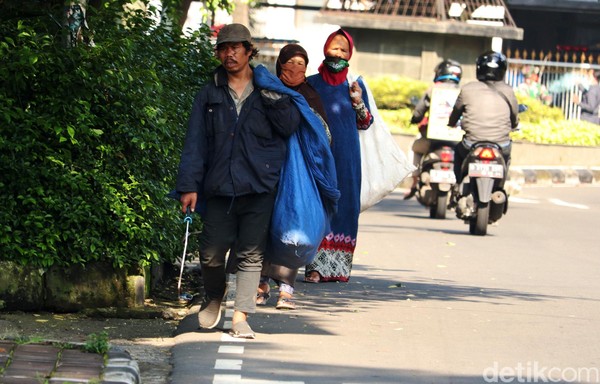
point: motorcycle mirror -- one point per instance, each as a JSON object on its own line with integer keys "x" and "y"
{"x": 523, "y": 108}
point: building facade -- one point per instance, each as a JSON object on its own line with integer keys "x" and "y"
{"x": 392, "y": 37}
{"x": 409, "y": 37}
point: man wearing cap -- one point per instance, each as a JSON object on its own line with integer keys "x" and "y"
{"x": 233, "y": 153}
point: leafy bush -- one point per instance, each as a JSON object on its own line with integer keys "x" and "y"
{"x": 540, "y": 124}
{"x": 398, "y": 121}
{"x": 97, "y": 343}
{"x": 563, "y": 132}
{"x": 395, "y": 92}
{"x": 91, "y": 137}
{"x": 538, "y": 112}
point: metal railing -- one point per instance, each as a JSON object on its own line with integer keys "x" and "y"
{"x": 562, "y": 82}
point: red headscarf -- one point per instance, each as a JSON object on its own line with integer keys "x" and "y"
{"x": 336, "y": 78}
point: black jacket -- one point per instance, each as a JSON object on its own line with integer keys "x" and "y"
{"x": 229, "y": 155}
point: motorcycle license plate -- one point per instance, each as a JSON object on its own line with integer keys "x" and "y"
{"x": 442, "y": 176}
{"x": 495, "y": 171}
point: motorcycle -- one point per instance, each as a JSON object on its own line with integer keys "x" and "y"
{"x": 481, "y": 198}
{"x": 436, "y": 179}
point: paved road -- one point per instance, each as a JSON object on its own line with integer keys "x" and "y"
{"x": 429, "y": 303}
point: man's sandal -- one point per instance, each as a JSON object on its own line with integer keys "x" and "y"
{"x": 242, "y": 330}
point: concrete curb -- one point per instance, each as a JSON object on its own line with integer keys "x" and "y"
{"x": 120, "y": 368}
{"x": 55, "y": 363}
{"x": 541, "y": 175}
{"x": 519, "y": 176}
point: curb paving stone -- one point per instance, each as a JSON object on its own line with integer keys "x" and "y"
{"x": 120, "y": 368}
{"x": 30, "y": 363}
{"x": 538, "y": 175}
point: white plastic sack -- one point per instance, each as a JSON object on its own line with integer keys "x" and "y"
{"x": 383, "y": 164}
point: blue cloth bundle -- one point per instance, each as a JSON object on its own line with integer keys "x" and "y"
{"x": 307, "y": 196}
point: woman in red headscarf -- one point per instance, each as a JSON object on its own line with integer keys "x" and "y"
{"x": 347, "y": 108}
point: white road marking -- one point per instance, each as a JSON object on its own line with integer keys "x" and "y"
{"x": 227, "y": 379}
{"x": 258, "y": 381}
{"x": 235, "y": 364}
{"x": 235, "y": 349}
{"x": 522, "y": 200}
{"x": 566, "y": 204}
{"x": 230, "y": 339}
{"x": 229, "y": 364}
{"x": 237, "y": 379}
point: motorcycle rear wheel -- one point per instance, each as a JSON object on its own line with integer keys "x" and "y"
{"x": 438, "y": 210}
{"x": 478, "y": 224}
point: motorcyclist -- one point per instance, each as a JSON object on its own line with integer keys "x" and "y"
{"x": 446, "y": 74}
{"x": 488, "y": 107}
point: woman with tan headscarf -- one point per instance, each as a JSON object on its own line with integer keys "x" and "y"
{"x": 291, "y": 70}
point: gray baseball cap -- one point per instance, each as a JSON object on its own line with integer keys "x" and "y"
{"x": 234, "y": 33}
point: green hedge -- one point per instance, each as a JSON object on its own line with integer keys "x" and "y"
{"x": 546, "y": 125}
{"x": 91, "y": 137}
{"x": 395, "y": 92}
{"x": 540, "y": 124}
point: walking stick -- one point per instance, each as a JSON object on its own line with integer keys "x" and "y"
{"x": 187, "y": 220}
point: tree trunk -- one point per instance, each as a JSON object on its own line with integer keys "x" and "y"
{"x": 184, "y": 8}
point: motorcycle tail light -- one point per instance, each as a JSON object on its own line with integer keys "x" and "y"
{"x": 486, "y": 154}
{"x": 447, "y": 156}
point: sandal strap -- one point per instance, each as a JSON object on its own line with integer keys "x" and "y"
{"x": 262, "y": 298}
{"x": 285, "y": 303}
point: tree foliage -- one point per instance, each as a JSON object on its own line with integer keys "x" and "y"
{"x": 91, "y": 136}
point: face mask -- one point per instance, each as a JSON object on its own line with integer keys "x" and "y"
{"x": 292, "y": 74}
{"x": 335, "y": 64}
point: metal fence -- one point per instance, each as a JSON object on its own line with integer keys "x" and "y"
{"x": 563, "y": 82}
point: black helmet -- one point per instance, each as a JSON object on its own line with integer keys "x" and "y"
{"x": 491, "y": 66}
{"x": 448, "y": 70}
